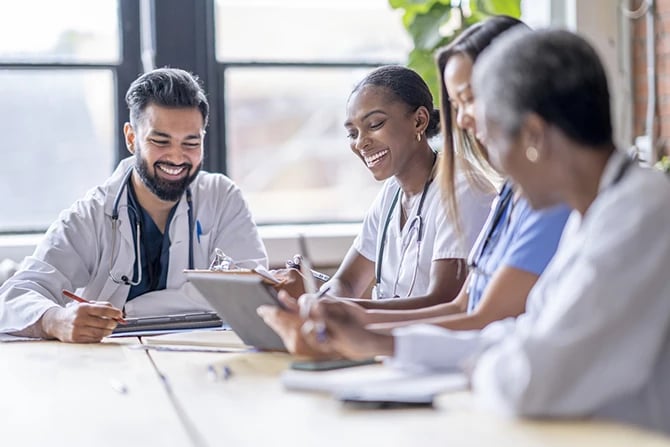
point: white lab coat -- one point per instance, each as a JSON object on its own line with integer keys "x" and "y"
{"x": 595, "y": 338}
{"x": 76, "y": 252}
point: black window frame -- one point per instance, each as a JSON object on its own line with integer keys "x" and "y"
{"x": 185, "y": 37}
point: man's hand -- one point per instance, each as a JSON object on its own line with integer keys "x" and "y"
{"x": 81, "y": 323}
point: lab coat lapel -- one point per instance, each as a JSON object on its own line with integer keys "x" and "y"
{"x": 124, "y": 253}
{"x": 179, "y": 245}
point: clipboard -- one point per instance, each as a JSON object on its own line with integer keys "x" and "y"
{"x": 259, "y": 271}
{"x": 235, "y": 295}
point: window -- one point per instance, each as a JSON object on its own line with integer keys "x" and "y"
{"x": 59, "y": 31}
{"x": 288, "y": 67}
{"x": 58, "y": 74}
{"x": 58, "y": 141}
{"x": 278, "y": 73}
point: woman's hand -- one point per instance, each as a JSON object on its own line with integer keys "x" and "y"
{"x": 291, "y": 281}
{"x": 337, "y": 326}
{"x": 287, "y": 323}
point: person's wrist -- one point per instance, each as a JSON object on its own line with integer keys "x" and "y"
{"x": 378, "y": 344}
{"x": 49, "y": 323}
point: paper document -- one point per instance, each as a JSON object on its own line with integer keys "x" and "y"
{"x": 330, "y": 381}
{"x": 376, "y": 382}
{"x": 211, "y": 338}
{"x": 177, "y": 348}
{"x": 407, "y": 389}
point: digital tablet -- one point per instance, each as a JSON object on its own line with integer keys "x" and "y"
{"x": 235, "y": 299}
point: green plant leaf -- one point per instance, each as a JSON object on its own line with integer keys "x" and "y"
{"x": 425, "y": 28}
{"x": 405, "y": 4}
{"x": 414, "y": 8}
{"x": 510, "y": 8}
{"x": 423, "y": 20}
{"x": 423, "y": 63}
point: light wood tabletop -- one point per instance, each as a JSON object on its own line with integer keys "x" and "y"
{"x": 113, "y": 394}
{"x": 252, "y": 408}
{"x": 55, "y": 393}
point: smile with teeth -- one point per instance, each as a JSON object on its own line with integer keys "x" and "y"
{"x": 373, "y": 159}
{"x": 171, "y": 170}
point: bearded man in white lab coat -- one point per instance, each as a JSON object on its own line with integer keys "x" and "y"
{"x": 124, "y": 246}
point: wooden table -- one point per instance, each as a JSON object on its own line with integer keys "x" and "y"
{"x": 73, "y": 395}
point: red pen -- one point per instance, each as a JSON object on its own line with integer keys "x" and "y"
{"x": 79, "y": 299}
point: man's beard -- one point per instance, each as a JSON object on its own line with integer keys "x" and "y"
{"x": 167, "y": 190}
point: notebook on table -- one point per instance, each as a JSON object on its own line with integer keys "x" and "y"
{"x": 167, "y": 323}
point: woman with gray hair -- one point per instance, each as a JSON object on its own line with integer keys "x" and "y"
{"x": 595, "y": 338}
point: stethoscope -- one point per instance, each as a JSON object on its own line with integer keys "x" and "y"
{"x": 138, "y": 235}
{"x": 504, "y": 198}
{"x": 486, "y": 237}
{"x": 415, "y": 224}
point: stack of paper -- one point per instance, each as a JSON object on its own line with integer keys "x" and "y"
{"x": 375, "y": 383}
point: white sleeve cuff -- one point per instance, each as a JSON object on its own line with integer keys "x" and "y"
{"x": 431, "y": 348}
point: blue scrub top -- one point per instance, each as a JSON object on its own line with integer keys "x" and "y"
{"x": 522, "y": 238}
{"x": 154, "y": 248}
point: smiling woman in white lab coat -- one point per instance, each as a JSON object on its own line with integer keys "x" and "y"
{"x": 126, "y": 243}
{"x": 595, "y": 338}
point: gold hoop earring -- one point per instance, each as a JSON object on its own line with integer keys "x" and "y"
{"x": 532, "y": 154}
{"x": 418, "y": 136}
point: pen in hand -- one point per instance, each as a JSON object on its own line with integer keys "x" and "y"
{"x": 79, "y": 299}
{"x": 319, "y": 326}
{"x": 310, "y": 287}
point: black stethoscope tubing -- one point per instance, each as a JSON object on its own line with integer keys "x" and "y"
{"x": 387, "y": 222}
{"x": 115, "y": 218}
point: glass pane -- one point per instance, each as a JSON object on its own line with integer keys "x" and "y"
{"x": 59, "y": 31}
{"x": 287, "y": 146}
{"x": 310, "y": 30}
{"x": 59, "y": 141}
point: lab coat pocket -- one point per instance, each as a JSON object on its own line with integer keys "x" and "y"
{"x": 203, "y": 253}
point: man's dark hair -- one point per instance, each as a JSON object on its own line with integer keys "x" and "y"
{"x": 166, "y": 87}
